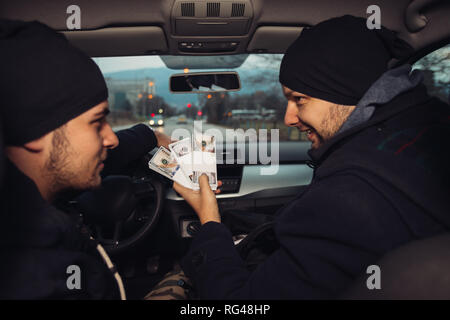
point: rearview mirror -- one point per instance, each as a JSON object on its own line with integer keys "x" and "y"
{"x": 204, "y": 82}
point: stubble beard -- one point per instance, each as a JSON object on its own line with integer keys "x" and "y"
{"x": 59, "y": 169}
{"x": 333, "y": 121}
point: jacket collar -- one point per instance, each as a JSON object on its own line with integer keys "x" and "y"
{"x": 28, "y": 218}
{"x": 22, "y": 193}
{"x": 397, "y": 105}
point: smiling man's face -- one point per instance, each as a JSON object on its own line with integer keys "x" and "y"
{"x": 320, "y": 119}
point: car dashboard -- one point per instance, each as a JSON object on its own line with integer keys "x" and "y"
{"x": 246, "y": 188}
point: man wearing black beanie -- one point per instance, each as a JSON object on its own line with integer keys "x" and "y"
{"x": 53, "y": 108}
{"x": 381, "y": 174}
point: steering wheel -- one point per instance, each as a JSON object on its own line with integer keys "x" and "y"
{"x": 123, "y": 210}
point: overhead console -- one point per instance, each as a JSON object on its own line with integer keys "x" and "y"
{"x": 210, "y": 26}
{"x": 212, "y": 18}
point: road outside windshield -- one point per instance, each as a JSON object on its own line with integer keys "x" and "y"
{"x": 139, "y": 92}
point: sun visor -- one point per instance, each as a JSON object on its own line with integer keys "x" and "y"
{"x": 273, "y": 39}
{"x": 120, "y": 41}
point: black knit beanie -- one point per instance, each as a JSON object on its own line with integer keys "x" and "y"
{"x": 337, "y": 60}
{"x": 44, "y": 81}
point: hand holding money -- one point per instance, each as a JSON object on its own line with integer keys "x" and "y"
{"x": 187, "y": 160}
{"x": 191, "y": 164}
{"x": 204, "y": 202}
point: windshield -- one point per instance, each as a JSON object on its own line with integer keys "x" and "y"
{"x": 139, "y": 92}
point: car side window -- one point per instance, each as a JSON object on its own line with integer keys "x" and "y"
{"x": 436, "y": 70}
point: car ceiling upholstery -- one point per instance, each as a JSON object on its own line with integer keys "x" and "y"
{"x": 98, "y": 14}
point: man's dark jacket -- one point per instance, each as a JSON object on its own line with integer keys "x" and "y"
{"x": 375, "y": 186}
{"x": 38, "y": 242}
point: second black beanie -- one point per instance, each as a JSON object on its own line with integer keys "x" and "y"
{"x": 337, "y": 60}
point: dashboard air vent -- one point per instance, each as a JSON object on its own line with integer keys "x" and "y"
{"x": 213, "y": 9}
{"x": 237, "y": 9}
{"x": 188, "y": 9}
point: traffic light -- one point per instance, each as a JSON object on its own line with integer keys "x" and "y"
{"x": 189, "y": 105}
{"x": 199, "y": 113}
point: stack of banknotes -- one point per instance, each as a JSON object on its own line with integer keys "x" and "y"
{"x": 187, "y": 160}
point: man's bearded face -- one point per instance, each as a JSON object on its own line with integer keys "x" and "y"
{"x": 78, "y": 150}
{"x": 319, "y": 119}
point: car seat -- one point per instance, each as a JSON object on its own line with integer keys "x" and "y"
{"x": 417, "y": 270}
